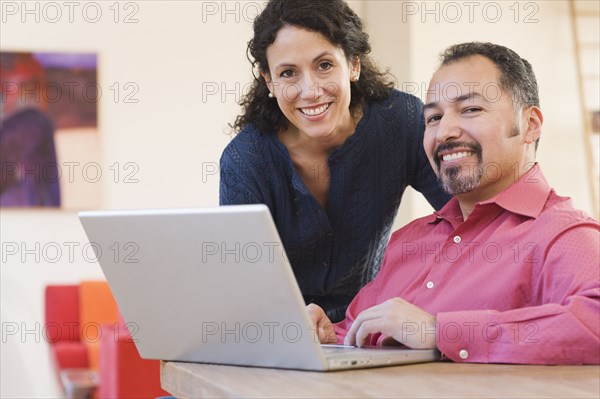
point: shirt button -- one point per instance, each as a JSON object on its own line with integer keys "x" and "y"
{"x": 325, "y": 264}
{"x": 463, "y": 354}
{"x": 430, "y": 284}
{"x": 457, "y": 239}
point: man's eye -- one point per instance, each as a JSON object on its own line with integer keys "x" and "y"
{"x": 472, "y": 109}
{"x": 433, "y": 118}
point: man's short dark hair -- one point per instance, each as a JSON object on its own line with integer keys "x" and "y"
{"x": 516, "y": 75}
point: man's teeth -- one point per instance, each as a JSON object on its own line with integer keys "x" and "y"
{"x": 457, "y": 155}
{"x": 315, "y": 111}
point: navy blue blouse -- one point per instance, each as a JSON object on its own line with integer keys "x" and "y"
{"x": 337, "y": 250}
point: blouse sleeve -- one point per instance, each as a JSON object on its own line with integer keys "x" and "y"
{"x": 237, "y": 184}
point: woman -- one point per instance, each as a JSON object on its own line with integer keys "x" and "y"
{"x": 327, "y": 144}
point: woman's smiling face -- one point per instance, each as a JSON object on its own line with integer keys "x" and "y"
{"x": 310, "y": 80}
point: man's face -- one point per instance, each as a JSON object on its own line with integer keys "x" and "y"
{"x": 473, "y": 139}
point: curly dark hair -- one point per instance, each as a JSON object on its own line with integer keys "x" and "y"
{"x": 339, "y": 24}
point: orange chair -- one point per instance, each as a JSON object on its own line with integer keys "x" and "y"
{"x": 97, "y": 307}
{"x": 90, "y": 334}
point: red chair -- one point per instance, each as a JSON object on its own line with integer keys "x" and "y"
{"x": 85, "y": 332}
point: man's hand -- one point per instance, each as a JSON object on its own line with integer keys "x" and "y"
{"x": 322, "y": 324}
{"x": 397, "y": 319}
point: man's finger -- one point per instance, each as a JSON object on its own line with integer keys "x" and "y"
{"x": 364, "y": 316}
{"x": 372, "y": 326}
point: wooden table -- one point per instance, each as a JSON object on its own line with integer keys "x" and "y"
{"x": 429, "y": 380}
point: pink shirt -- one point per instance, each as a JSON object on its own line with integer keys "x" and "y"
{"x": 517, "y": 282}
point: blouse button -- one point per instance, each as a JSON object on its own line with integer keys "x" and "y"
{"x": 463, "y": 354}
{"x": 457, "y": 239}
{"x": 430, "y": 284}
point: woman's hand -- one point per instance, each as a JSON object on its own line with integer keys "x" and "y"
{"x": 322, "y": 324}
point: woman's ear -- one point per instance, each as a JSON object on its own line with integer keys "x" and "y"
{"x": 355, "y": 68}
{"x": 267, "y": 77}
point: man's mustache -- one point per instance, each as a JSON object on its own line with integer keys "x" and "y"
{"x": 475, "y": 147}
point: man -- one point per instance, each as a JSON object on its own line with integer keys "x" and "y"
{"x": 508, "y": 271}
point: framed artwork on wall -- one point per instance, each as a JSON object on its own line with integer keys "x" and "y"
{"x": 49, "y": 130}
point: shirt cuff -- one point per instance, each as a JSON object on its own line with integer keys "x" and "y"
{"x": 464, "y": 337}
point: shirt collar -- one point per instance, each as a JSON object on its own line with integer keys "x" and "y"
{"x": 451, "y": 212}
{"x": 527, "y": 196}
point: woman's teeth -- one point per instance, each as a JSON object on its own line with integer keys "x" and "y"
{"x": 314, "y": 111}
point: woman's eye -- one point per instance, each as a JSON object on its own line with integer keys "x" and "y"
{"x": 324, "y": 66}
{"x": 288, "y": 73}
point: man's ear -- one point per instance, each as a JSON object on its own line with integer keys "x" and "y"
{"x": 534, "y": 119}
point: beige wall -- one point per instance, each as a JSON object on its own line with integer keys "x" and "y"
{"x": 188, "y": 61}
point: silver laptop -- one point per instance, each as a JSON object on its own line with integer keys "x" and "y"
{"x": 213, "y": 285}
